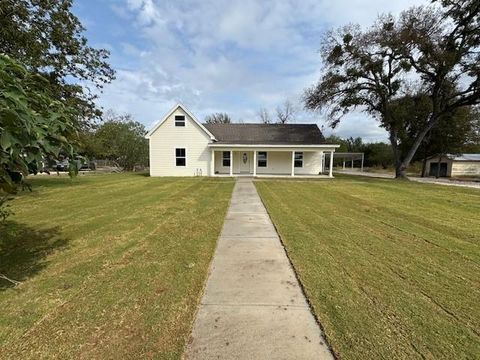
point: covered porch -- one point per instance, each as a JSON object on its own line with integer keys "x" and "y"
{"x": 272, "y": 161}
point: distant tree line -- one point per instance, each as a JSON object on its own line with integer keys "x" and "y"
{"x": 376, "y": 154}
{"x": 218, "y": 118}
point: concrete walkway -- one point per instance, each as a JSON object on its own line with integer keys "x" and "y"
{"x": 253, "y": 307}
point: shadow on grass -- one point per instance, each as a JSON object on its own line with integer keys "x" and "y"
{"x": 23, "y": 251}
{"x": 140, "y": 173}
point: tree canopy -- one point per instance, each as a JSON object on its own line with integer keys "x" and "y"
{"x": 34, "y": 125}
{"x": 218, "y": 118}
{"x": 284, "y": 113}
{"x": 47, "y": 38}
{"x": 429, "y": 53}
{"x": 118, "y": 138}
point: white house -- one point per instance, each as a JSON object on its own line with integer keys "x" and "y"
{"x": 182, "y": 146}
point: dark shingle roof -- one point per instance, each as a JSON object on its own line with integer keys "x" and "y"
{"x": 270, "y": 134}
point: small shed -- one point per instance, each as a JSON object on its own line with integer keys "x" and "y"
{"x": 453, "y": 165}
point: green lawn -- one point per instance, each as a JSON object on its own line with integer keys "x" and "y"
{"x": 392, "y": 268}
{"x": 112, "y": 266}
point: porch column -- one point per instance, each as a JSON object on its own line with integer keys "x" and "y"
{"x": 330, "y": 170}
{"x": 293, "y": 163}
{"x": 361, "y": 167}
{"x": 255, "y": 163}
{"x": 321, "y": 162}
{"x": 231, "y": 163}
{"x": 212, "y": 164}
{"x": 352, "y": 160}
{"x": 343, "y": 163}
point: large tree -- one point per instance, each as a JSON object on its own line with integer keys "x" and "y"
{"x": 121, "y": 139}
{"x": 48, "y": 38}
{"x": 34, "y": 126}
{"x": 454, "y": 133}
{"x": 426, "y": 50}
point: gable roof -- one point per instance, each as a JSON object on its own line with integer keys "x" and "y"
{"x": 269, "y": 134}
{"x": 158, "y": 124}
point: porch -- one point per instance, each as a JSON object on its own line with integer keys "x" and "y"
{"x": 272, "y": 161}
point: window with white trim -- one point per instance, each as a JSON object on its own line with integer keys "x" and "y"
{"x": 226, "y": 158}
{"x": 262, "y": 159}
{"x": 298, "y": 163}
{"x": 180, "y": 157}
{"x": 179, "y": 120}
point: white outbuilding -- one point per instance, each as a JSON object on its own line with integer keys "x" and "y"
{"x": 454, "y": 165}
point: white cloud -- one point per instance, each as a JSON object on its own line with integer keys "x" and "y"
{"x": 234, "y": 56}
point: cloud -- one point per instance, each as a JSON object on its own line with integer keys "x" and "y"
{"x": 234, "y": 56}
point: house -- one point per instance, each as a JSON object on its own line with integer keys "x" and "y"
{"x": 454, "y": 165}
{"x": 182, "y": 146}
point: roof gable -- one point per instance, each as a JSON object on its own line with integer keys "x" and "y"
{"x": 195, "y": 120}
{"x": 268, "y": 134}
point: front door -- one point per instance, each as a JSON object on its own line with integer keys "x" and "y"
{"x": 245, "y": 162}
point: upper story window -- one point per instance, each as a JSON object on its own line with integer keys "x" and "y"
{"x": 226, "y": 158}
{"x": 298, "y": 159}
{"x": 179, "y": 120}
{"x": 262, "y": 159}
{"x": 180, "y": 157}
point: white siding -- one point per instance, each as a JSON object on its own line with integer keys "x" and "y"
{"x": 168, "y": 137}
{"x": 219, "y": 163}
{"x": 278, "y": 162}
{"x": 312, "y": 161}
{"x": 466, "y": 168}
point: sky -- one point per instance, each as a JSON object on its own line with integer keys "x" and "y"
{"x": 233, "y": 56}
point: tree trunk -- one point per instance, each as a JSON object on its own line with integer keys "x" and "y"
{"x": 400, "y": 168}
{"x": 438, "y": 167}
{"x": 424, "y": 163}
{"x": 424, "y": 167}
{"x": 401, "y": 172}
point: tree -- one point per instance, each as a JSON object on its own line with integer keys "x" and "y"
{"x": 354, "y": 144}
{"x": 285, "y": 112}
{"x": 48, "y": 39}
{"x": 426, "y": 53}
{"x": 472, "y": 142}
{"x": 453, "y": 134}
{"x": 218, "y": 118}
{"x": 34, "y": 127}
{"x": 264, "y": 116}
{"x": 378, "y": 154}
{"x": 336, "y": 140}
{"x": 121, "y": 139}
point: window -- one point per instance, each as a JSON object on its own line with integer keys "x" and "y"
{"x": 226, "y": 158}
{"x": 298, "y": 159}
{"x": 179, "y": 120}
{"x": 180, "y": 157}
{"x": 262, "y": 159}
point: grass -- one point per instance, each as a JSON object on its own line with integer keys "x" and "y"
{"x": 112, "y": 266}
{"x": 391, "y": 268}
